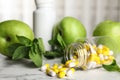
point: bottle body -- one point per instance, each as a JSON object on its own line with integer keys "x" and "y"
{"x": 44, "y": 20}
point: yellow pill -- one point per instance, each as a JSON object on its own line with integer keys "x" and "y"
{"x": 62, "y": 69}
{"x": 94, "y": 46}
{"x": 47, "y": 65}
{"x": 72, "y": 64}
{"x": 61, "y": 66}
{"x": 106, "y": 53}
{"x": 106, "y": 48}
{"x": 87, "y": 47}
{"x": 70, "y": 72}
{"x": 98, "y": 62}
{"x": 111, "y": 57}
{"x": 93, "y": 54}
{"x": 55, "y": 66}
{"x": 94, "y": 58}
{"x": 44, "y": 67}
{"x": 50, "y": 72}
{"x": 55, "y": 70}
{"x": 61, "y": 74}
{"x": 68, "y": 62}
{"x": 77, "y": 62}
{"x": 99, "y": 51}
{"x": 106, "y": 61}
{"x": 47, "y": 70}
{"x": 72, "y": 69}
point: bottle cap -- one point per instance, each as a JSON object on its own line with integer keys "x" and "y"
{"x": 44, "y": 3}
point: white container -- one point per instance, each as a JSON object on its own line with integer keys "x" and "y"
{"x": 44, "y": 20}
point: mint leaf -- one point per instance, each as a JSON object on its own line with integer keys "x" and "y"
{"x": 24, "y": 40}
{"x": 36, "y": 58}
{"x": 39, "y": 43}
{"x": 20, "y": 52}
{"x": 58, "y": 46}
{"x": 13, "y": 47}
{"x": 54, "y": 41}
{"x": 51, "y": 54}
{"x": 35, "y": 55}
{"x": 61, "y": 41}
{"x": 112, "y": 67}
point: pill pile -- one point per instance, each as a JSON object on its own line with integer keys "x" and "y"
{"x": 60, "y": 71}
{"x": 87, "y": 56}
{"x": 98, "y": 55}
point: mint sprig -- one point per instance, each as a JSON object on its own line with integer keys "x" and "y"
{"x": 36, "y": 52}
{"x": 28, "y": 49}
{"x": 112, "y": 67}
{"x": 58, "y": 46}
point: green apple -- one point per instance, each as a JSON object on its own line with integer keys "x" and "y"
{"x": 8, "y": 31}
{"x": 71, "y": 30}
{"x": 109, "y": 29}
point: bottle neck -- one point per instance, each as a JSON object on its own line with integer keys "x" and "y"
{"x": 45, "y": 4}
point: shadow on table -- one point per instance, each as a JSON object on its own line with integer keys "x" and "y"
{"x": 23, "y": 62}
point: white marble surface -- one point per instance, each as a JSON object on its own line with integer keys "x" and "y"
{"x": 24, "y": 70}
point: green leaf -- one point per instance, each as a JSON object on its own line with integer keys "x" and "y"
{"x": 24, "y": 40}
{"x": 51, "y": 54}
{"x": 112, "y": 67}
{"x": 13, "y": 47}
{"x": 55, "y": 31}
{"x": 58, "y": 46}
{"x": 39, "y": 43}
{"x": 54, "y": 35}
{"x": 36, "y": 58}
{"x": 35, "y": 55}
{"x": 53, "y": 42}
{"x": 20, "y": 52}
{"x": 61, "y": 41}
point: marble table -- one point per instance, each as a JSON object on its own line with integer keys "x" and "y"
{"x": 25, "y": 70}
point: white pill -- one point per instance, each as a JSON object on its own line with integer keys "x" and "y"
{"x": 72, "y": 64}
{"x": 100, "y": 46}
{"x": 91, "y": 65}
{"x": 52, "y": 73}
{"x": 43, "y": 68}
{"x": 111, "y": 52}
{"x": 106, "y": 57}
{"x": 69, "y": 73}
{"x": 101, "y": 56}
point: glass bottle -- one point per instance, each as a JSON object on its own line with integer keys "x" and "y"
{"x": 89, "y": 54}
{"x": 78, "y": 52}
